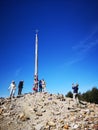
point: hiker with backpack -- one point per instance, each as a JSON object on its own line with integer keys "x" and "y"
{"x": 35, "y": 85}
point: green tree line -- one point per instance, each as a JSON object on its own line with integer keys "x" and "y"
{"x": 89, "y": 96}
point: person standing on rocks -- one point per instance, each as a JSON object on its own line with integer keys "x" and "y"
{"x": 20, "y": 87}
{"x": 35, "y": 87}
{"x": 75, "y": 93}
{"x": 40, "y": 85}
{"x": 12, "y": 89}
{"x": 43, "y": 85}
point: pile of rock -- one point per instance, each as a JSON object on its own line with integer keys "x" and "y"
{"x": 44, "y": 111}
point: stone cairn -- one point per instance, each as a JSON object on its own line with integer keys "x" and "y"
{"x": 44, "y": 111}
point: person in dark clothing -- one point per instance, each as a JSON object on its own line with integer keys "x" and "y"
{"x": 20, "y": 87}
{"x": 75, "y": 93}
{"x": 40, "y": 86}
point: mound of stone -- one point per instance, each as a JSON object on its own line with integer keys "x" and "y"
{"x": 44, "y": 111}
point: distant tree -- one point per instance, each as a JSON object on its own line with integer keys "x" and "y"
{"x": 90, "y": 95}
{"x": 94, "y": 95}
{"x": 86, "y": 96}
{"x": 69, "y": 94}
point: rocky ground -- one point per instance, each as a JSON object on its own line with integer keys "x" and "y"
{"x": 44, "y": 111}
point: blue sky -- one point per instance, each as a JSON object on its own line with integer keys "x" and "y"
{"x": 68, "y": 43}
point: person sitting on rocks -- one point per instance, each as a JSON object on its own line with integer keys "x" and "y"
{"x": 12, "y": 88}
{"x": 75, "y": 93}
{"x": 20, "y": 87}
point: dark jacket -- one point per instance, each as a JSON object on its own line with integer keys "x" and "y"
{"x": 20, "y": 86}
{"x": 40, "y": 84}
{"x": 75, "y": 89}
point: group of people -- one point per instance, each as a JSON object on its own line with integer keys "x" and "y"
{"x": 12, "y": 88}
{"x": 39, "y": 86}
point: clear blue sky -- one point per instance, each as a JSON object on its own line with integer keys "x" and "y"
{"x": 68, "y": 43}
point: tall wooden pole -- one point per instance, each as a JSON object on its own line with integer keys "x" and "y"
{"x": 36, "y": 60}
